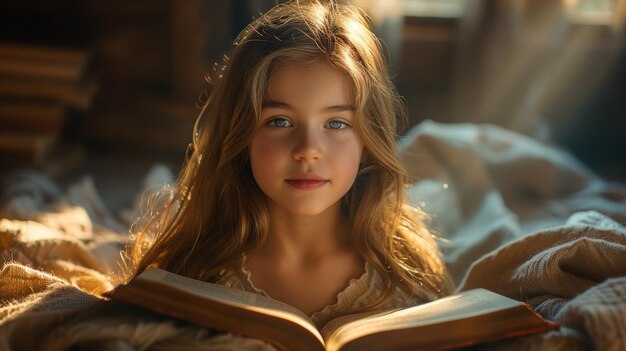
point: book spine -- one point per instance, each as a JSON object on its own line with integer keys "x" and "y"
{"x": 39, "y": 69}
{"x": 74, "y": 95}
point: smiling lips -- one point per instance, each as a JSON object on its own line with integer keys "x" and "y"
{"x": 306, "y": 181}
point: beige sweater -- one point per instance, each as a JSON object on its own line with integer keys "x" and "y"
{"x": 359, "y": 292}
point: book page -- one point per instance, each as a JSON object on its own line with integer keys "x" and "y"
{"x": 333, "y": 325}
{"x": 463, "y": 305}
{"x": 222, "y": 293}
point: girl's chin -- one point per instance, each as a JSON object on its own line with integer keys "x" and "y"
{"x": 307, "y": 210}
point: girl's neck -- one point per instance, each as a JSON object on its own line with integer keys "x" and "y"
{"x": 298, "y": 239}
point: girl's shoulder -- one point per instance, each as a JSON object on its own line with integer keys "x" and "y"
{"x": 359, "y": 292}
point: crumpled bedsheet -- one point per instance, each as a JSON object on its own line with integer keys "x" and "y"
{"x": 574, "y": 274}
{"x": 528, "y": 221}
{"x": 513, "y": 215}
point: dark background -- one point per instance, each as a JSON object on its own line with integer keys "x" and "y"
{"x": 149, "y": 57}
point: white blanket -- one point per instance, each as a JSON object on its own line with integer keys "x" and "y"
{"x": 484, "y": 186}
{"x": 515, "y": 216}
{"x": 528, "y": 221}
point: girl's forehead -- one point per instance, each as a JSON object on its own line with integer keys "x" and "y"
{"x": 309, "y": 79}
{"x": 308, "y": 65}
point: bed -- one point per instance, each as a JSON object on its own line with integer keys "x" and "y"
{"x": 512, "y": 214}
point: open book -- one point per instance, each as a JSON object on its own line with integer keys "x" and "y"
{"x": 467, "y": 318}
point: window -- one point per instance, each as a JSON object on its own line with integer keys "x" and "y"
{"x": 434, "y": 8}
{"x": 598, "y": 12}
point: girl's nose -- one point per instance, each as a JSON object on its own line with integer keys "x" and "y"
{"x": 308, "y": 145}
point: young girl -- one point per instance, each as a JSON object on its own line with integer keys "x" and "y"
{"x": 293, "y": 188}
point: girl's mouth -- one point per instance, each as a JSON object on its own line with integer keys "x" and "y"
{"x": 306, "y": 184}
{"x": 306, "y": 181}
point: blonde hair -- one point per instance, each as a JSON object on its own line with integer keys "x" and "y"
{"x": 217, "y": 212}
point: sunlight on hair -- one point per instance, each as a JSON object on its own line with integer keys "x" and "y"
{"x": 227, "y": 216}
{"x": 355, "y": 28}
{"x": 318, "y": 16}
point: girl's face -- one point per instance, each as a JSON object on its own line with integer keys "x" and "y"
{"x": 305, "y": 155}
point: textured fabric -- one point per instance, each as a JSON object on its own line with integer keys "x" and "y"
{"x": 56, "y": 316}
{"x": 574, "y": 274}
{"x": 484, "y": 186}
{"x": 601, "y": 313}
{"x": 57, "y": 251}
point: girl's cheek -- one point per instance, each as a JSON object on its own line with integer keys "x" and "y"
{"x": 267, "y": 146}
{"x": 347, "y": 139}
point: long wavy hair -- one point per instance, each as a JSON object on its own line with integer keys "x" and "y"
{"x": 216, "y": 212}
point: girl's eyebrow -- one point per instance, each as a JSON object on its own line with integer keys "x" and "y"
{"x": 286, "y": 106}
{"x": 339, "y": 108}
{"x": 276, "y": 104}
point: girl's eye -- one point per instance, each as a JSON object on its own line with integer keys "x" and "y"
{"x": 337, "y": 124}
{"x": 279, "y": 123}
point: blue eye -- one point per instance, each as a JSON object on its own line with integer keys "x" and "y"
{"x": 337, "y": 124}
{"x": 279, "y": 123}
